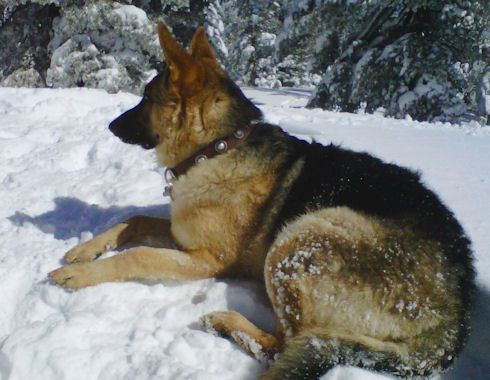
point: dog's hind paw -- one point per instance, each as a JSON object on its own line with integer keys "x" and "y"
{"x": 235, "y": 327}
{"x": 218, "y": 322}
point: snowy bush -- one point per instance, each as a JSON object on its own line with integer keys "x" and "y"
{"x": 78, "y": 62}
{"x": 104, "y": 45}
{"x": 23, "y": 77}
{"x": 101, "y": 44}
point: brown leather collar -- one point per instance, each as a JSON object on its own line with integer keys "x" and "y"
{"x": 217, "y": 147}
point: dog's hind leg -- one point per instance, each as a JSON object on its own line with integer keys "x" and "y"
{"x": 133, "y": 230}
{"x": 310, "y": 355}
{"x": 235, "y": 327}
{"x": 352, "y": 289}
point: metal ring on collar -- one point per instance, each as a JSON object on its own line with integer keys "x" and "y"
{"x": 169, "y": 175}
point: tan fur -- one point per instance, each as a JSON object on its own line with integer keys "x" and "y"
{"x": 321, "y": 271}
{"x": 234, "y": 326}
{"x": 322, "y": 274}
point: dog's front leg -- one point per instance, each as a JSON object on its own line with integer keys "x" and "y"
{"x": 133, "y": 230}
{"x": 142, "y": 263}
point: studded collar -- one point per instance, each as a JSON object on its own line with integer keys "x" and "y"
{"x": 216, "y": 148}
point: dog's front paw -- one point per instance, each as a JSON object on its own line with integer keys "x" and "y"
{"x": 75, "y": 276}
{"x": 85, "y": 252}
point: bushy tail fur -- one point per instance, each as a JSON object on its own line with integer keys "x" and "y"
{"x": 309, "y": 356}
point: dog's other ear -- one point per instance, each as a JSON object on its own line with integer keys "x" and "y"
{"x": 184, "y": 69}
{"x": 200, "y": 47}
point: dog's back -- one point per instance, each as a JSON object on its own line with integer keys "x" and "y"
{"x": 367, "y": 267}
{"x": 364, "y": 265}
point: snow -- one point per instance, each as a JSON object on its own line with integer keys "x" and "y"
{"x": 65, "y": 178}
{"x": 132, "y": 14}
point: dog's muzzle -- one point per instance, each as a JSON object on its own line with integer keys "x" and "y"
{"x": 132, "y": 127}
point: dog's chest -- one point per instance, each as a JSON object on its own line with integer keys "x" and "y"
{"x": 217, "y": 205}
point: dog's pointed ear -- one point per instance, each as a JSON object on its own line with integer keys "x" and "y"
{"x": 183, "y": 68}
{"x": 200, "y": 47}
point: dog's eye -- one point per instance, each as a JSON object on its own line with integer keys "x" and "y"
{"x": 170, "y": 103}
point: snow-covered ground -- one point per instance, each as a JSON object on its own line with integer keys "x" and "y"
{"x": 64, "y": 178}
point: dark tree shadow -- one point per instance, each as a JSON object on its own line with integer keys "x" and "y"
{"x": 474, "y": 361}
{"x": 301, "y": 92}
{"x": 72, "y": 216}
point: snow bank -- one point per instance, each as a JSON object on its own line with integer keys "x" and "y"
{"x": 64, "y": 177}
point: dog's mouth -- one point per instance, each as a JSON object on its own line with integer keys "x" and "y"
{"x": 135, "y": 136}
{"x": 148, "y": 145}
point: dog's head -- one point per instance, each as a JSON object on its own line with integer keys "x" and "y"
{"x": 188, "y": 105}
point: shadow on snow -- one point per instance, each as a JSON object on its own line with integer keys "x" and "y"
{"x": 72, "y": 216}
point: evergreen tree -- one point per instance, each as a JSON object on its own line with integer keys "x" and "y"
{"x": 250, "y": 31}
{"x": 24, "y": 37}
{"x": 423, "y": 58}
{"x": 310, "y": 38}
{"x": 426, "y": 59}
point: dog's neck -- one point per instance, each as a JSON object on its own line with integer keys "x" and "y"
{"x": 216, "y": 148}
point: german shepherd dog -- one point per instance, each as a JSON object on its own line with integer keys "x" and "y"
{"x": 362, "y": 264}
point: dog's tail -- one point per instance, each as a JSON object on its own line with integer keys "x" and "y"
{"x": 310, "y": 355}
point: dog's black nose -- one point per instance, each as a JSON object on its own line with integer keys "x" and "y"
{"x": 115, "y": 127}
